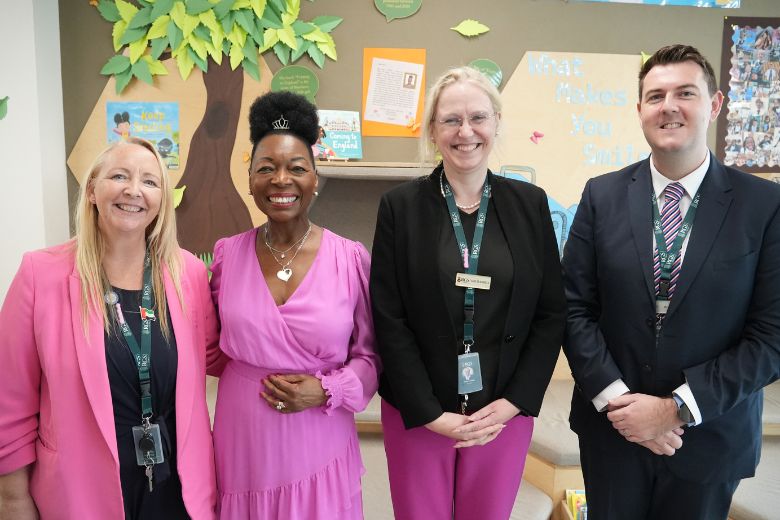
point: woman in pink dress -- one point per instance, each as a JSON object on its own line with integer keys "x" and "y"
{"x": 296, "y": 324}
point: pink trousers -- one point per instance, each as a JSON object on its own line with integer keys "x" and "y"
{"x": 431, "y": 480}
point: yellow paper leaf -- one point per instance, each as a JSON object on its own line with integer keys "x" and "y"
{"x": 126, "y": 10}
{"x": 117, "y": 33}
{"x": 178, "y": 194}
{"x": 329, "y": 49}
{"x": 155, "y": 66}
{"x": 178, "y": 12}
{"x": 198, "y": 46}
{"x": 270, "y": 38}
{"x": 287, "y": 36}
{"x": 470, "y": 28}
{"x": 137, "y": 49}
{"x": 237, "y": 36}
{"x": 316, "y": 36}
{"x": 240, "y": 4}
{"x": 216, "y": 54}
{"x": 294, "y": 8}
{"x": 645, "y": 57}
{"x": 236, "y": 56}
{"x": 258, "y": 6}
{"x": 288, "y": 19}
{"x": 209, "y": 19}
{"x": 185, "y": 64}
{"x": 159, "y": 27}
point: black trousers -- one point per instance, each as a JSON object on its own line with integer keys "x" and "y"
{"x": 629, "y": 482}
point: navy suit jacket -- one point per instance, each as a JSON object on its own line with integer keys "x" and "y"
{"x": 722, "y": 330}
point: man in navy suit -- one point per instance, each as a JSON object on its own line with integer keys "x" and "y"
{"x": 672, "y": 272}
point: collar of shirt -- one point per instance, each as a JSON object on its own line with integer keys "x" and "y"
{"x": 690, "y": 183}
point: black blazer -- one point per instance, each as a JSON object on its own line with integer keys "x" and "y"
{"x": 722, "y": 331}
{"x": 416, "y": 337}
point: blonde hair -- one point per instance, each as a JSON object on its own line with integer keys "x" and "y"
{"x": 160, "y": 238}
{"x": 452, "y": 76}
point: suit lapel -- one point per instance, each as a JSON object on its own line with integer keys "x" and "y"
{"x": 507, "y": 214}
{"x": 186, "y": 347}
{"x": 640, "y": 189}
{"x": 713, "y": 207}
{"x": 91, "y": 355}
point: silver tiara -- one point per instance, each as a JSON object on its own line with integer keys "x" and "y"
{"x": 281, "y": 124}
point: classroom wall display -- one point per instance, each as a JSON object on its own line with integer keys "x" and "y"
{"x": 749, "y": 127}
{"x": 567, "y": 117}
{"x": 724, "y": 4}
{"x": 158, "y": 123}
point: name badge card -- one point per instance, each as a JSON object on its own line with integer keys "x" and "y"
{"x": 469, "y": 373}
{"x": 474, "y": 281}
{"x": 661, "y": 306}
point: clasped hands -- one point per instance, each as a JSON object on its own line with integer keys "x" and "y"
{"x": 647, "y": 420}
{"x": 476, "y": 429}
{"x": 296, "y": 392}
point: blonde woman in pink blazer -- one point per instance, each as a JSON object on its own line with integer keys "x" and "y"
{"x": 71, "y": 390}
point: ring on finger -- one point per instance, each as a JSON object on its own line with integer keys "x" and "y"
{"x": 281, "y": 406}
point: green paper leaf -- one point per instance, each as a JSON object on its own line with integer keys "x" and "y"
{"x": 470, "y": 28}
{"x": 108, "y": 11}
{"x": 327, "y": 23}
{"x": 240, "y": 4}
{"x": 132, "y": 35}
{"x": 227, "y": 22}
{"x": 195, "y": 7}
{"x": 250, "y": 51}
{"x": 141, "y": 18}
{"x": 141, "y": 71}
{"x": 271, "y": 19}
{"x": 303, "y": 46}
{"x": 200, "y": 62}
{"x": 115, "y": 65}
{"x": 316, "y": 55}
{"x": 161, "y": 8}
{"x": 246, "y": 20}
{"x": 202, "y": 33}
{"x": 126, "y": 10}
{"x": 302, "y": 28}
{"x": 278, "y": 6}
{"x": 158, "y": 47}
{"x": 123, "y": 79}
{"x": 4, "y": 107}
{"x": 226, "y": 47}
{"x": 251, "y": 68}
{"x": 178, "y": 194}
{"x": 282, "y": 52}
{"x": 223, "y": 8}
{"x": 159, "y": 28}
{"x": 175, "y": 36}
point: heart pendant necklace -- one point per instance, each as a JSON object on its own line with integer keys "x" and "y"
{"x": 285, "y": 273}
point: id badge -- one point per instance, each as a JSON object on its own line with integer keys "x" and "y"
{"x": 661, "y": 306}
{"x": 141, "y": 439}
{"x": 474, "y": 281}
{"x": 469, "y": 373}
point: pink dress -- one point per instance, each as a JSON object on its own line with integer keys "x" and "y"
{"x": 304, "y": 465}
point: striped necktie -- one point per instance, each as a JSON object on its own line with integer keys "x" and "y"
{"x": 671, "y": 221}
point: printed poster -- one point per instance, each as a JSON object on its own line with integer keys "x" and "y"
{"x": 155, "y": 122}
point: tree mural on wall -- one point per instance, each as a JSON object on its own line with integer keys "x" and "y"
{"x": 223, "y": 38}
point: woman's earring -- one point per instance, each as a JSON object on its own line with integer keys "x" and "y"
{"x": 316, "y": 193}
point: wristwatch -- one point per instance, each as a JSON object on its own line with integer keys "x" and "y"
{"x": 683, "y": 412}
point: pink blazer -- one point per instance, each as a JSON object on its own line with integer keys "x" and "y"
{"x": 55, "y": 400}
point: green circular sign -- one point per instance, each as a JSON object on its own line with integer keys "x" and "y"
{"x": 393, "y": 9}
{"x": 490, "y": 69}
{"x": 298, "y": 79}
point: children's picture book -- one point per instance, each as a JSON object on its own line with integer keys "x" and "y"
{"x": 155, "y": 122}
{"x": 339, "y": 136}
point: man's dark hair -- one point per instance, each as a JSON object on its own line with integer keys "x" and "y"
{"x": 679, "y": 53}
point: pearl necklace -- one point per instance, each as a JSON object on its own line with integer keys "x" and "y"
{"x": 465, "y": 206}
{"x": 285, "y": 273}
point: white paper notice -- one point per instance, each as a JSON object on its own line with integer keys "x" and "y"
{"x": 393, "y": 92}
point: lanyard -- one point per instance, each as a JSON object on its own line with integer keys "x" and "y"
{"x": 470, "y": 261}
{"x": 143, "y": 355}
{"x": 668, "y": 255}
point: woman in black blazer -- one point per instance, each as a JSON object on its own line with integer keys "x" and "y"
{"x": 463, "y": 375}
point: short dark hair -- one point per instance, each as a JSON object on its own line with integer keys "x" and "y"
{"x": 679, "y": 53}
{"x": 283, "y": 113}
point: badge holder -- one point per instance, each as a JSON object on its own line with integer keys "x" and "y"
{"x": 148, "y": 447}
{"x": 469, "y": 375}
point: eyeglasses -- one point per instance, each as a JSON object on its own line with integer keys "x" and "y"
{"x": 476, "y": 120}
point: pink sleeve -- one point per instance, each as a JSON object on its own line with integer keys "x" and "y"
{"x": 353, "y": 385}
{"x": 20, "y": 392}
{"x": 215, "y": 358}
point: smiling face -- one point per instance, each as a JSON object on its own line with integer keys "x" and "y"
{"x": 464, "y": 149}
{"x": 282, "y": 177}
{"x": 127, "y": 191}
{"x": 676, "y": 109}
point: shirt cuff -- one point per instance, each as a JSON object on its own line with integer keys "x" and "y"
{"x": 684, "y": 392}
{"x": 616, "y": 389}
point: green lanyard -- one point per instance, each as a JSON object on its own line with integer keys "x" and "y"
{"x": 470, "y": 261}
{"x": 666, "y": 255}
{"x": 143, "y": 355}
